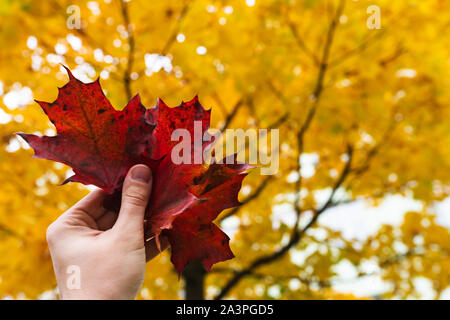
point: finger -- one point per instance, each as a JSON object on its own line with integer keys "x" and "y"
{"x": 151, "y": 249}
{"x": 92, "y": 204}
{"x": 107, "y": 220}
{"x": 135, "y": 195}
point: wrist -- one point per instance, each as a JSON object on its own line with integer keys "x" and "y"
{"x": 73, "y": 287}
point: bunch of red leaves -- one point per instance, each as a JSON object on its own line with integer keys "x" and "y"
{"x": 101, "y": 144}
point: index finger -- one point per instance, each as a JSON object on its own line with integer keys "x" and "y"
{"x": 92, "y": 204}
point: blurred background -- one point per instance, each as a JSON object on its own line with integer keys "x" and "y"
{"x": 360, "y": 207}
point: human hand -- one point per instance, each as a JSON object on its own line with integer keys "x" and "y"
{"x": 104, "y": 249}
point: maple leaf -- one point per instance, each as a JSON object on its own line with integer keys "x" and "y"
{"x": 183, "y": 116}
{"x": 101, "y": 144}
{"x": 193, "y": 235}
{"x": 210, "y": 190}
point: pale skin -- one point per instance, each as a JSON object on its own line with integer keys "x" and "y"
{"x": 108, "y": 249}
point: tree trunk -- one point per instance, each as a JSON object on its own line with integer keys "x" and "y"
{"x": 194, "y": 281}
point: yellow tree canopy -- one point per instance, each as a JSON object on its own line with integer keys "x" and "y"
{"x": 366, "y": 104}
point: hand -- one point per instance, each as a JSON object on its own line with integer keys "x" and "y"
{"x": 99, "y": 254}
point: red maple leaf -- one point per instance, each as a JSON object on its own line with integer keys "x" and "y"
{"x": 218, "y": 186}
{"x": 101, "y": 144}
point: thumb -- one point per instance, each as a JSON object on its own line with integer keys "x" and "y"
{"x": 135, "y": 195}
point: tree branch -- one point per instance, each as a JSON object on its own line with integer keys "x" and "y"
{"x": 369, "y": 41}
{"x": 329, "y": 203}
{"x": 8, "y": 231}
{"x": 308, "y": 281}
{"x": 131, "y": 44}
{"x": 302, "y": 45}
{"x": 263, "y": 184}
{"x": 251, "y": 197}
{"x": 296, "y": 234}
{"x": 232, "y": 114}
{"x": 176, "y": 30}
{"x": 326, "y": 283}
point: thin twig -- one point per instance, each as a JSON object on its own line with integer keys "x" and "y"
{"x": 176, "y": 30}
{"x": 302, "y": 44}
{"x": 232, "y": 114}
{"x": 131, "y": 45}
{"x": 251, "y": 197}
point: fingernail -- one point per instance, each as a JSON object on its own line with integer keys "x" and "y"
{"x": 141, "y": 173}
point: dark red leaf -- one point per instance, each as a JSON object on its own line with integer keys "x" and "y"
{"x": 193, "y": 235}
{"x": 97, "y": 141}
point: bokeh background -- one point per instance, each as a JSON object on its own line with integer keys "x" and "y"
{"x": 360, "y": 206}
